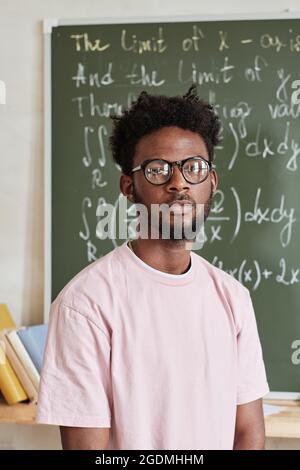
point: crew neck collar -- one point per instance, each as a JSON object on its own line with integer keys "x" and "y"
{"x": 156, "y": 274}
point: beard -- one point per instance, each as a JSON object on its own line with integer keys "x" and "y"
{"x": 187, "y": 230}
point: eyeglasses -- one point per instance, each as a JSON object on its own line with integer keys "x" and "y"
{"x": 195, "y": 170}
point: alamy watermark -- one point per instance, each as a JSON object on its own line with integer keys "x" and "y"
{"x": 178, "y": 221}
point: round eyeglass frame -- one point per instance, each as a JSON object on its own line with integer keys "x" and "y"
{"x": 171, "y": 165}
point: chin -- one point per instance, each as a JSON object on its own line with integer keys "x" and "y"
{"x": 186, "y": 233}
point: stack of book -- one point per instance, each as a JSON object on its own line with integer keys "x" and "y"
{"x": 21, "y": 358}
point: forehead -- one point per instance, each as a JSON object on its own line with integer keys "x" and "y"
{"x": 170, "y": 143}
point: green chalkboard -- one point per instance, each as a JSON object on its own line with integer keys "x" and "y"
{"x": 246, "y": 68}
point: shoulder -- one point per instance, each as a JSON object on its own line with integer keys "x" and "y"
{"x": 232, "y": 293}
{"x": 221, "y": 278}
{"x": 89, "y": 294}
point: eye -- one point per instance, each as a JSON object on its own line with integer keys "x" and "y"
{"x": 156, "y": 171}
{"x": 195, "y": 166}
{"x": 192, "y": 167}
{"x": 157, "y": 168}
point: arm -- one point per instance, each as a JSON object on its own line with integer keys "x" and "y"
{"x": 84, "y": 438}
{"x": 249, "y": 427}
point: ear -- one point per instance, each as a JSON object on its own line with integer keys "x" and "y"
{"x": 214, "y": 180}
{"x": 126, "y": 186}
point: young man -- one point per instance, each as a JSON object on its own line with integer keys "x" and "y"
{"x": 151, "y": 346}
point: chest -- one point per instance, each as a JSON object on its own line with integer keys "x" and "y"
{"x": 184, "y": 327}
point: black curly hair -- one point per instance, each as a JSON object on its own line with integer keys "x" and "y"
{"x": 150, "y": 113}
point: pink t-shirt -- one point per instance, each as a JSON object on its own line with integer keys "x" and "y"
{"x": 161, "y": 359}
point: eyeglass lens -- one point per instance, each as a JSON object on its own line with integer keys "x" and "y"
{"x": 194, "y": 170}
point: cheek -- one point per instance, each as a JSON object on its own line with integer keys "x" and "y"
{"x": 203, "y": 192}
{"x": 147, "y": 188}
{"x": 147, "y": 191}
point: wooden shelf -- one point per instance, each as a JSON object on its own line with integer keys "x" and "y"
{"x": 22, "y": 413}
{"x": 285, "y": 424}
{"x": 282, "y": 425}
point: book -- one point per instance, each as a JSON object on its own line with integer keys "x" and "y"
{"x": 10, "y": 386}
{"x": 6, "y": 320}
{"x": 24, "y": 357}
{"x": 19, "y": 369}
{"x": 34, "y": 339}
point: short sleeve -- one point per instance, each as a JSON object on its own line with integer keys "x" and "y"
{"x": 252, "y": 381}
{"x": 75, "y": 386}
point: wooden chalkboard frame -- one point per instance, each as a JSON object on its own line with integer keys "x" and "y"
{"x": 48, "y": 24}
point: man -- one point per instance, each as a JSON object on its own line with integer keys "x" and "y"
{"x": 151, "y": 346}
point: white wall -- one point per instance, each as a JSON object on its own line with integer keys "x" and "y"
{"x": 21, "y": 148}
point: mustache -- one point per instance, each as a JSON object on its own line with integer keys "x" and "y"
{"x": 179, "y": 198}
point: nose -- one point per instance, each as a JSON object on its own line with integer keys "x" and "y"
{"x": 177, "y": 181}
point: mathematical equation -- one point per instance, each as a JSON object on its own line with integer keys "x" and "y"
{"x": 135, "y": 43}
{"x": 252, "y": 273}
{"x": 260, "y": 213}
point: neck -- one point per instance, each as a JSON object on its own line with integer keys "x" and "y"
{"x": 169, "y": 256}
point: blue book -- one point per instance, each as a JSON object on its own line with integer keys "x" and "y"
{"x": 34, "y": 341}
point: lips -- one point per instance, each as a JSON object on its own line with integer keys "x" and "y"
{"x": 181, "y": 203}
{"x": 181, "y": 206}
